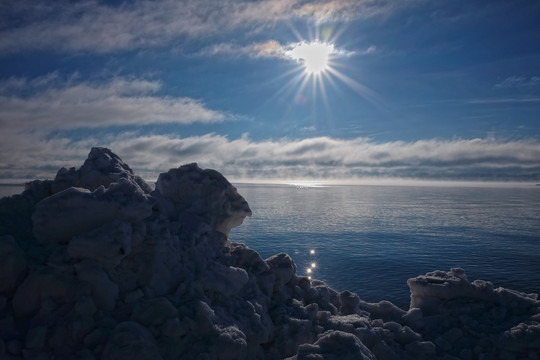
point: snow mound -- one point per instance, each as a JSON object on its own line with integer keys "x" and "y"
{"x": 96, "y": 265}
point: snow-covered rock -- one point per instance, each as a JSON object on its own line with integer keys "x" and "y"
{"x": 102, "y": 168}
{"x": 130, "y": 340}
{"x": 464, "y": 318}
{"x": 96, "y": 265}
{"x": 206, "y": 193}
{"x": 107, "y": 245}
{"x": 335, "y": 345}
{"x": 13, "y": 264}
{"x": 430, "y": 290}
{"x": 74, "y": 211}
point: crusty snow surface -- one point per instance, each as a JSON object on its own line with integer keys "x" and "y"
{"x": 96, "y": 265}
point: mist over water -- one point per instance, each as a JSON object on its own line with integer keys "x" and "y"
{"x": 371, "y": 239}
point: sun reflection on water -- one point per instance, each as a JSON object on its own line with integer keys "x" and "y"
{"x": 312, "y": 264}
{"x": 307, "y": 184}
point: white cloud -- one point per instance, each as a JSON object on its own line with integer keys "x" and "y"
{"x": 370, "y": 50}
{"x": 519, "y": 82}
{"x": 312, "y": 158}
{"x": 267, "y": 49}
{"x": 296, "y": 51}
{"x": 516, "y": 100}
{"x": 90, "y": 26}
{"x": 71, "y": 104}
{"x": 345, "y": 10}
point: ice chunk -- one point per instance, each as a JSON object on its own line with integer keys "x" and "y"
{"x": 383, "y": 310}
{"x": 75, "y": 211}
{"x": 206, "y": 193}
{"x": 15, "y": 218}
{"x": 283, "y": 267}
{"x": 46, "y": 283}
{"x": 81, "y": 327}
{"x": 104, "y": 291}
{"x": 13, "y": 264}
{"x": 154, "y": 311}
{"x": 350, "y": 303}
{"x": 419, "y": 348}
{"x": 522, "y": 336}
{"x": 231, "y": 344}
{"x": 101, "y": 168}
{"x": 333, "y": 345}
{"x": 226, "y": 280}
{"x": 131, "y": 341}
{"x": 248, "y": 259}
{"x": 107, "y": 245}
{"x": 35, "y": 339}
{"x": 430, "y": 290}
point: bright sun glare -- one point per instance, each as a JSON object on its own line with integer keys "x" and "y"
{"x": 314, "y": 55}
{"x": 319, "y": 65}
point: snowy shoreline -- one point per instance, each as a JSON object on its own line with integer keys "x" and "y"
{"x": 98, "y": 265}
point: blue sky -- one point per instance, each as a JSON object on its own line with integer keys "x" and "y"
{"x": 414, "y": 89}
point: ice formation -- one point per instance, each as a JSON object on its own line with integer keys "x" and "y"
{"x": 96, "y": 265}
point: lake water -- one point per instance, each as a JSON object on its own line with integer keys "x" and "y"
{"x": 371, "y": 239}
{"x": 10, "y": 189}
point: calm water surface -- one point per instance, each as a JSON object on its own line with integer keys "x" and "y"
{"x": 10, "y": 189}
{"x": 371, "y": 239}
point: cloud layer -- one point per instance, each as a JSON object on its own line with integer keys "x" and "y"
{"x": 313, "y": 158}
{"x": 47, "y": 103}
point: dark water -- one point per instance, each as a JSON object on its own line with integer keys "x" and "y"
{"x": 10, "y": 189}
{"x": 371, "y": 239}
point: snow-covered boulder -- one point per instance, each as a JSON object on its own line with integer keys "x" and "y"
{"x": 130, "y": 340}
{"x": 101, "y": 168}
{"x": 206, "y": 193}
{"x": 13, "y": 264}
{"x": 39, "y": 286}
{"x": 429, "y": 291}
{"x": 464, "y": 318}
{"x": 107, "y": 245}
{"x": 335, "y": 345}
{"x": 74, "y": 211}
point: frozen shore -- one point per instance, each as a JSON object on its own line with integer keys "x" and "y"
{"x": 97, "y": 265}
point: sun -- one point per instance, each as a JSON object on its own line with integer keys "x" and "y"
{"x": 320, "y": 65}
{"x": 314, "y": 55}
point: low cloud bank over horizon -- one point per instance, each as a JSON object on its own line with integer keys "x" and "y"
{"x": 318, "y": 158}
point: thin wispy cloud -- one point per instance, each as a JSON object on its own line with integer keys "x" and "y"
{"x": 346, "y": 10}
{"x": 510, "y": 100}
{"x": 519, "y": 82}
{"x": 72, "y": 104}
{"x": 89, "y": 26}
{"x": 370, "y": 50}
{"x": 267, "y": 49}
